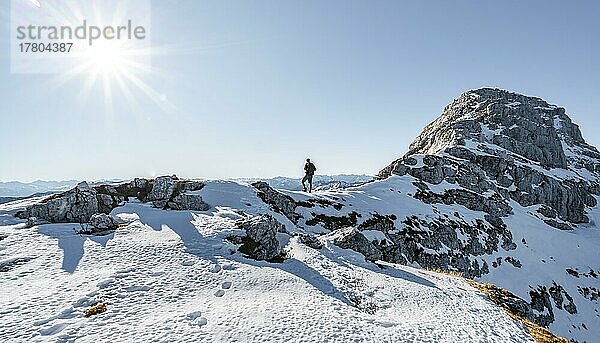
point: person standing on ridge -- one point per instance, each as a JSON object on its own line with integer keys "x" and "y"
{"x": 309, "y": 170}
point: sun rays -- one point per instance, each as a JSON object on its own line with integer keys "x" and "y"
{"x": 109, "y": 68}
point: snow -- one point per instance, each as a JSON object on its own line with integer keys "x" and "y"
{"x": 561, "y": 250}
{"x": 489, "y": 134}
{"x": 374, "y": 235}
{"x": 419, "y": 159}
{"x": 578, "y": 249}
{"x": 171, "y": 276}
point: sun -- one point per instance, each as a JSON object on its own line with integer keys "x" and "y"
{"x": 105, "y": 57}
{"x": 116, "y": 64}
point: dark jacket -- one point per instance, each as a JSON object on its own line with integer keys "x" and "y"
{"x": 309, "y": 168}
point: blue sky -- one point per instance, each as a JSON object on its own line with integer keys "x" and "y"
{"x": 257, "y": 86}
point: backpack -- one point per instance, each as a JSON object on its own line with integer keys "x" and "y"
{"x": 311, "y": 169}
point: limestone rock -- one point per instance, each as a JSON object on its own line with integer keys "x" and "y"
{"x": 187, "y": 202}
{"x": 351, "y": 238}
{"x": 104, "y": 222}
{"x": 503, "y": 143}
{"x": 261, "y": 241}
{"x": 280, "y": 202}
{"x": 162, "y": 190}
{"x": 74, "y": 206}
{"x": 310, "y": 241}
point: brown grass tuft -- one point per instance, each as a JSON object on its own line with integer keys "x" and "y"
{"x": 540, "y": 334}
{"x": 97, "y": 309}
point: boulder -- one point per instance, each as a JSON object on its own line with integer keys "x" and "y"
{"x": 139, "y": 183}
{"x": 280, "y": 202}
{"x": 138, "y": 188}
{"x": 103, "y": 222}
{"x": 74, "y": 206}
{"x": 162, "y": 190}
{"x": 182, "y": 186}
{"x": 310, "y": 241}
{"x": 261, "y": 241}
{"x": 351, "y": 238}
{"x": 109, "y": 197}
{"x": 187, "y": 202}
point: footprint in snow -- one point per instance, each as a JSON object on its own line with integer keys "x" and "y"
{"x": 215, "y": 268}
{"x": 193, "y": 315}
{"x": 226, "y": 285}
{"x": 202, "y": 321}
{"x": 219, "y": 293}
{"x": 196, "y": 318}
{"x": 53, "y": 330}
{"x": 138, "y": 288}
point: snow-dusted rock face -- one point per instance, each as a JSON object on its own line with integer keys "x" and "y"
{"x": 162, "y": 190}
{"x": 282, "y": 203}
{"x": 499, "y": 146}
{"x": 187, "y": 202}
{"x": 521, "y": 126}
{"x": 352, "y": 238}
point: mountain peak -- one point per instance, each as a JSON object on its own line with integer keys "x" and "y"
{"x": 500, "y": 122}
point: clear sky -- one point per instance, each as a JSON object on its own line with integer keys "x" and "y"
{"x": 257, "y": 86}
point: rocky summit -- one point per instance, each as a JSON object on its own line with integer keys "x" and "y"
{"x": 499, "y": 146}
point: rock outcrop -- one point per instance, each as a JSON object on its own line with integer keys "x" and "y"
{"x": 162, "y": 190}
{"x": 79, "y": 204}
{"x": 310, "y": 241}
{"x": 261, "y": 242}
{"x": 74, "y": 206}
{"x": 351, "y": 238}
{"x": 187, "y": 202}
{"x": 280, "y": 202}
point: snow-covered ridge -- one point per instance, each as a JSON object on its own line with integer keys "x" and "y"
{"x": 504, "y": 200}
{"x": 175, "y": 276}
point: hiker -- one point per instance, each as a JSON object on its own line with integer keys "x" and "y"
{"x": 309, "y": 170}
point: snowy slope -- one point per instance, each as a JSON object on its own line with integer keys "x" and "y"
{"x": 544, "y": 254}
{"x": 170, "y": 276}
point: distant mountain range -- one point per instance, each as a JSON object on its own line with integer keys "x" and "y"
{"x": 17, "y": 189}
{"x": 14, "y": 190}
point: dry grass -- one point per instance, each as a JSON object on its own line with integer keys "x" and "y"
{"x": 97, "y": 309}
{"x": 452, "y": 273}
{"x": 540, "y": 334}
